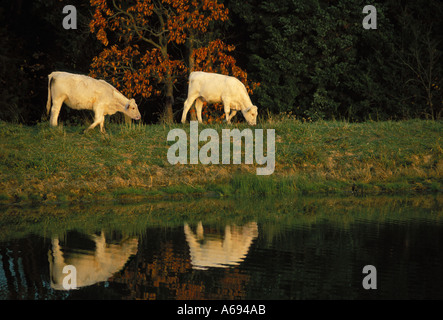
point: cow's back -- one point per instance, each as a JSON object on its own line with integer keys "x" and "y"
{"x": 81, "y": 91}
{"x": 213, "y": 86}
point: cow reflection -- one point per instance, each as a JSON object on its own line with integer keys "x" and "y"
{"x": 92, "y": 266}
{"x": 220, "y": 250}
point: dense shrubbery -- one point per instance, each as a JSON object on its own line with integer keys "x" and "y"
{"x": 315, "y": 59}
{"x": 311, "y": 57}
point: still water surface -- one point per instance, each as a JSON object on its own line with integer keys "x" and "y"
{"x": 294, "y": 248}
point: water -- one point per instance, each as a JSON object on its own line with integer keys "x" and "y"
{"x": 293, "y": 248}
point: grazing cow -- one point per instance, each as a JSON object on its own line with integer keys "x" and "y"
{"x": 83, "y": 92}
{"x": 213, "y": 88}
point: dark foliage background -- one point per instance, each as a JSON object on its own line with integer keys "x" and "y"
{"x": 312, "y": 58}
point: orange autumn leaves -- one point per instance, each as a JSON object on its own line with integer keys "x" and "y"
{"x": 134, "y": 73}
{"x": 192, "y": 16}
{"x": 152, "y": 44}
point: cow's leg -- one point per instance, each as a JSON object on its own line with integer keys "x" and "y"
{"x": 100, "y": 245}
{"x": 233, "y": 113}
{"x": 198, "y": 108}
{"x": 102, "y": 125}
{"x": 56, "y": 251}
{"x": 56, "y": 262}
{"x": 55, "y": 111}
{"x": 200, "y": 231}
{"x": 99, "y": 119}
{"x": 188, "y": 104}
{"x": 227, "y": 108}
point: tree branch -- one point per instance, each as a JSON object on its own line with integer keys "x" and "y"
{"x": 136, "y": 27}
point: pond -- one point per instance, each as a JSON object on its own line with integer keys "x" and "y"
{"x": 268, "y": 249}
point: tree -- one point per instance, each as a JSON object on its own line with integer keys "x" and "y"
{"x": 146, "y": 43}
{"x": 418, "y": 50}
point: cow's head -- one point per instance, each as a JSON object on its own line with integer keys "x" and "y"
{"x": 250, "y": 115}
{"x": 131, "y": 110}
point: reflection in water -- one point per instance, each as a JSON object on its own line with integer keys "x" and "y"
{"x": 313, "y": 248}
{"x": 220, "y": 250}
{"x": 92, "y": 266}
{"x": 164, "y": 267}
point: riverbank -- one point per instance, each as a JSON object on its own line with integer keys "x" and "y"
{"x": 39, "y": 164}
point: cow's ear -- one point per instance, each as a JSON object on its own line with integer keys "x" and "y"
{"x": 127, "y": 105}
{"x": 247, "y": 109}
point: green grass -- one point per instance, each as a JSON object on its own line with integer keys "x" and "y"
{"x": 43, "y": 164}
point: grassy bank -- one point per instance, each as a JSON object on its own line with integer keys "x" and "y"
{"x": 42, "y": 164}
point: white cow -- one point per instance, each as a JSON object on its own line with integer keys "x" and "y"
{"x": 213, "y": 88}
{"x": 83, "y": 92}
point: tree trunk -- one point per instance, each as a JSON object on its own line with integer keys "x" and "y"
{"x": 191, "y": 64}
{"x": 191, "y": 48}
{"x": 168, "y": 115}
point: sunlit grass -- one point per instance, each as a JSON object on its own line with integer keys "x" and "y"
{"x": 43, "y": 164}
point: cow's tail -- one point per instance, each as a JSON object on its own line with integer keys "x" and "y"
{"x": 48, "y": 103}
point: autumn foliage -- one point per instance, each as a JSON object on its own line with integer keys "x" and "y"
{"x": 151, "y": 45}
